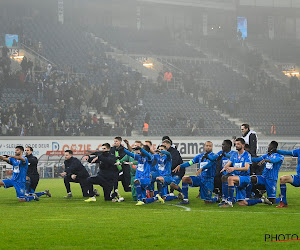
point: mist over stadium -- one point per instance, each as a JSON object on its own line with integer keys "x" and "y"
{"x": 80, "y": 79}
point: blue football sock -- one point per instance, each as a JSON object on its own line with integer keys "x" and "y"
{"x": 230, "y": 193}
{"x": 254, "y": 202}
{"x": 185, "y": 190}
{"x": 248, "y": 190}
{"x": 138, "y": 190}
{"x": 170, "y": 198}
{"x": 277, "y": 200}
{"x": 179, "y": 190}
{"x": 225, "y": 190}
{"x": 150, "y": 200}
{"x": 39, "y": 194}
{"x": 283, "y": 192}
{"x": 155, "y": 193}
{"x": 29, "y": 198}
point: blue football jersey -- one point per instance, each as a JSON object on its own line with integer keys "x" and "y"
{"x": 143, "y": 167}
{"x": 144, "y": 164}
{"x": 239, "y": 161}
{"x": 164, "y": 165}
{"x": 296, "y": 153}
{"x": 271, "y": 169}
{"x": 19, "y": 169}
{"x": 225, "y": 159}
{"x": 209, "y": 167}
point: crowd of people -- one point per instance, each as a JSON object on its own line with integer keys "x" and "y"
{"x": 59, "y": 103}
{"x": 153, "y": 174}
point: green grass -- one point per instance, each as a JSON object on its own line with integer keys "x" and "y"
{"x": 59, "y": 223}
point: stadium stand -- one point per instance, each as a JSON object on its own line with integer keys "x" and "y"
{"x": 85, "y": 78}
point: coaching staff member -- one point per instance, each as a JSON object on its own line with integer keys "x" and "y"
{"x": 75, "y": 172}
{"x": 107, "y": 172}
{"x": 32, "y": 172}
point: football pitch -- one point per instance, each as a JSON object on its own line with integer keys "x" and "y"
{"x": 57, "y": 222}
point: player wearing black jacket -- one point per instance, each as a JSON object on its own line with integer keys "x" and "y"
{"x": 107, "y": 172}
{"x": 33, "y": 176}
{"x": 32, "y": 172}
{"x": 76, "y": 172}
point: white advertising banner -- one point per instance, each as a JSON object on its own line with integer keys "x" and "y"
{"x": 187, "y": 147}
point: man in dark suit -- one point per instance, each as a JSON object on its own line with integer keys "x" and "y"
{"x": 75, "y": 172}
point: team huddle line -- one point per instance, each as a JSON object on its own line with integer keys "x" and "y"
{"x": 225, "y": 174}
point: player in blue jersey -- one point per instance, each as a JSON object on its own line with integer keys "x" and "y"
{"x": 205, "y": 175}
{"x": 222, "y": 158}
{"x": 18, "y": 180}
{"x": 142, "y": 180}
{"x": 269, "y": 177}
{"x": 165, "y": 177}
{"x": 294, "y": 180}
{"x": 240, "y": 162}
{"x": 153, "y": 172}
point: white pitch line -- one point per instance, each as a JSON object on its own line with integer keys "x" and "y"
{"x": 188, "y": 209}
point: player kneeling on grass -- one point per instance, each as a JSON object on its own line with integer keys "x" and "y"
{"x": 107, "y": 172}
{"x": 142, "y": 180}
{"x": 18, "y": 180}
{"x": 294, "y": 180}
{"x": 32, "y": 178}
{"x": 75, "y": 172}
{"x": 240, "y": 162}
{"x": 205, "y": 176}
{"x": 164, "y": 178}
{"x": 269, "y": 177}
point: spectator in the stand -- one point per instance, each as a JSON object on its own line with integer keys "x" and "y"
{"x": 172, "y": 120}
{"x": 23, "y": 130}
{"x": 24, "y": 64}
{"x": 195, "y": 130}
{"x": 83, "y": 109}
{"x": 62, "y": 111}
{"x": 5, "y": 51}
{"x": 105, "y": 104}
{"x": 94, "y": 119}
{"x": 49, "y": 68}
